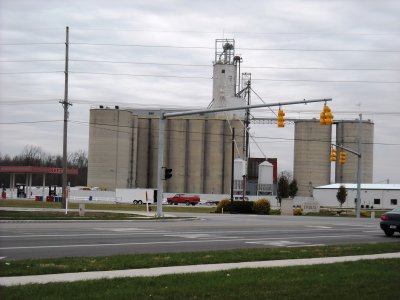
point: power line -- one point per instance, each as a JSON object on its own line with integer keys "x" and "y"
{"x": 141, "y": 75}
{"x": 29, "y": 122}
{"x": 239, "y": 48}
{"x": 332, "y": 81}
{"x": 200, "y": 65}
{"x": 27, "y": 72}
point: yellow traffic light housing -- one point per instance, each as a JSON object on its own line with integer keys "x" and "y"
{"x": 342, "y": 157}
{"x": 333, "y": 154}
{"x": 281, "y": 118}
{"x": 326, "y": 116}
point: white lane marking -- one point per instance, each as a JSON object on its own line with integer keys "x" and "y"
{"x": 277, "y": 243}
{"x": 321, "y": 227}
{"x": 189, "y": 236}
{"x": 310, "y": 245}
{"x": 82, "y": 234}
{"x": 200, "y": 236}
{"x": 122, "y": 229}
{"x": 174, "y": 242}
{"x": 3, "y": 257}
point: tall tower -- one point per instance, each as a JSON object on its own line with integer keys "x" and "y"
{"x": 225, "y": 79}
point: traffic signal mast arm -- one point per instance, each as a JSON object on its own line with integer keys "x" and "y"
{"x": 347, "y": 149}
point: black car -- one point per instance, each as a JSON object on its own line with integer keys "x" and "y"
{"x": 390, "y": 222}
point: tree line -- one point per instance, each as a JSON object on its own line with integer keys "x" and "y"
{"x": 35, "y": 156}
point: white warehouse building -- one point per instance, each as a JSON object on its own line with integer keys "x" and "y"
{"x": 385, "y": 196}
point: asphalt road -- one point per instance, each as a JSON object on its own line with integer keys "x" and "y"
{"x": 49, "y": 239}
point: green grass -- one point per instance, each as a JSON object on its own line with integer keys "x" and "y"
{"x": 377, "y": 279}
{"x": 120, "y": 262}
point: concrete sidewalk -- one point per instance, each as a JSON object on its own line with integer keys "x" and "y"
{"x": 70, "y": 277}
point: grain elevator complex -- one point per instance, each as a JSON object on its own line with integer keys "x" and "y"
{"x": 123, "y": 144}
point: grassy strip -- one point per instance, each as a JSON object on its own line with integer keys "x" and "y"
{"x": 376, "y": 279}
{"x": 102, "y": 206}
{"x": 72, "y": 215}
{"x": 120, "y": 262}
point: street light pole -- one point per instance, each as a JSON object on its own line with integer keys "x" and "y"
{"x": 358, "y": 210}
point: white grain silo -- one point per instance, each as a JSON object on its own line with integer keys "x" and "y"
{"x": 347, "y": 136}
{"x": 265, "y": 178}
{"x": 312, "y": 165}
{"x": 239, "y": 170}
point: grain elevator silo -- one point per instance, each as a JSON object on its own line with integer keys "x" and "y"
{"x": 109, "y": 147}
{"x": 226, "y": 79}
{"x": 347, "y": 135}
{"x": 312, "y": 166}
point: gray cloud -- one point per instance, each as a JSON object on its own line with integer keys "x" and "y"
{"x": 268, "y": 25}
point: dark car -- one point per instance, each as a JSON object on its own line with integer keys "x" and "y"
{"x": 390, "y": 222}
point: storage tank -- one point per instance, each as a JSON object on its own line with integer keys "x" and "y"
{"x": 109, "y": 148}
{"x": 239, "y": 170}
{"x": 347, "y": 136}
{"x": 265, "y": 178}
{"x": 312, "y": 165}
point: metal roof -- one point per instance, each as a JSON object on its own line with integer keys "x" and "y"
{"x": 364, "y": 186}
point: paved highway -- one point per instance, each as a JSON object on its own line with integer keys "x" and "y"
{"x": 48, "y": 239}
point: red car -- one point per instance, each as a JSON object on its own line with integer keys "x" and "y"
{"x": 182, "y": 198}
{"x": 390, "y": 222}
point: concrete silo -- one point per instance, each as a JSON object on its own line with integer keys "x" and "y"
{"x": 312, "y": 166}
{"x": 109, "y": 147}
{"x": 347, "y": 135}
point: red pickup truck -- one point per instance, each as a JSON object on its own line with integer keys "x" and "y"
{"x": 182, "y": 198}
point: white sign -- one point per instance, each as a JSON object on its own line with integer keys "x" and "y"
{"x": 312, "y": 207}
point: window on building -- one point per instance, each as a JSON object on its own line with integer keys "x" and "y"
{"x": 377, "y": 201}
{"x": 393, "y": 201}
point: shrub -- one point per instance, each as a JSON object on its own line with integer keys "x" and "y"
{"x": 223, "y": 204}
{"x": 241, "y": 207}
{"x": 298, "y": 211}
{"x": 262, "y": 206}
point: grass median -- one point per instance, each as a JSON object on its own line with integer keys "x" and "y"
{"x": 352, "y": 280}
{"x": 105, "y": 206}
{"x": 138, "y": 261}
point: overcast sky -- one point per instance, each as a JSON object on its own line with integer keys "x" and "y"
{"x": 159, "y": 54}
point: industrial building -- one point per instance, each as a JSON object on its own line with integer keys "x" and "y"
{"x": 123, "y": 151}
{"x": 312, "y": 144}
{"x": 376, "y": 196}
{"x": 123, "y": 144}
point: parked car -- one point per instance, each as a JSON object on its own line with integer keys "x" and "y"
{"x": 390, "y": 222}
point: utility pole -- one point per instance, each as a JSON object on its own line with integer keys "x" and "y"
{"x": 358, "y": 208}
{"x": 232, "y": 161}
{"x": 65, "y": 104}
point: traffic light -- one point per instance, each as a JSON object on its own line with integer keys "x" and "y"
{"x": 333, "y": 154}
{"x": 167, "y": 173}
{"x": 281, "y": 118}
{"x": 326, "y": 116}
{"x": 342, "y": 157}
